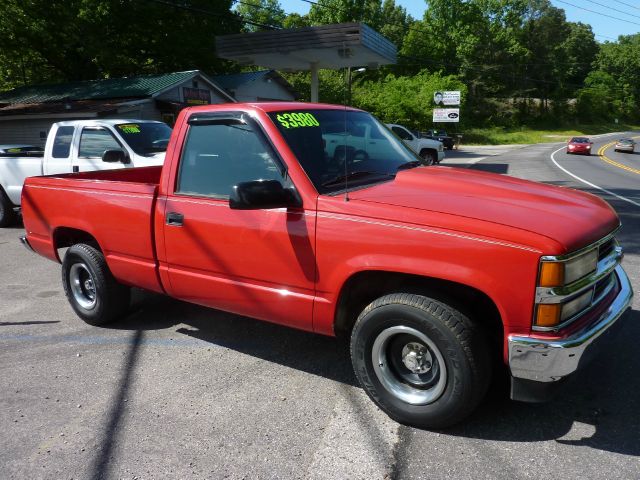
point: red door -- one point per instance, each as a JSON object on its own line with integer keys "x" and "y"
{"x": 259, "y": 263}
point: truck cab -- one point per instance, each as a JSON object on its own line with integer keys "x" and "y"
{"x": 79, "y": 146}
{"x": 431, "y": 151}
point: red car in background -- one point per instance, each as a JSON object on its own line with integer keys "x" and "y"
{"x": 579, "y": 145}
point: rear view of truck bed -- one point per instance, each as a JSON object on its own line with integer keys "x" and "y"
{"x": 114, "y": 206}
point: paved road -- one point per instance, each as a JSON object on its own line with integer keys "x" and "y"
{"x": 179, "y": 391}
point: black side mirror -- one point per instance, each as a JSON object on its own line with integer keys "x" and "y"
{"x": 116, "y": 156}
{"x": 262, "y": 194}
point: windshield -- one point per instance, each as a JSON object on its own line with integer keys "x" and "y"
{"x": 579, "y": 140}
{"x": 323, "y": 140}
{"x": 145, "y": 138}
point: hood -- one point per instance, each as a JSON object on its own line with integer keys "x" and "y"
{"x": 571, "y": 218}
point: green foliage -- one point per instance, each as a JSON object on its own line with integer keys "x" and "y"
{"x": 517, "y": 61}
{"x": 55, "y": 40}
{"x": 385, "y": 17}
{"x": 260, "y": 12}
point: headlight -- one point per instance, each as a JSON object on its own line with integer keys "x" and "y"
{"x": 558, "y": 274}
{"x": 440, "y": 148}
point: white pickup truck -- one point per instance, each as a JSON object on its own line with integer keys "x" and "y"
{"x": 431, "y": 151}
{"x": 78, "y": 146}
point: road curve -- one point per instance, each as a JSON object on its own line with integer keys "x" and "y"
{"x": 615, "y": 173}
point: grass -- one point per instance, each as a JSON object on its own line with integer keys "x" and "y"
{"x": 521, "y": 135}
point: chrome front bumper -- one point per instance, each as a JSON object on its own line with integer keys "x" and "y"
{"x": 25, "y": 242}
{"x": 539, "y": 360}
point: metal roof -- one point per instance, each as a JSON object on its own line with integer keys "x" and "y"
{"x": 233, "y": 80}
{"x": 326, "y": 46}
{"x": 128, "y": 87}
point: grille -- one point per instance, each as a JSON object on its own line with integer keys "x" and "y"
{"x": 606, "y": 248}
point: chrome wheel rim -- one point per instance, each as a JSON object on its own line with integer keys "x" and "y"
{"x": 83, "y": 286}
{"x": 409, "y": 365}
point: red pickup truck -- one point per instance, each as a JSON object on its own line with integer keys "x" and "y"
{"x": 317, "y": 217}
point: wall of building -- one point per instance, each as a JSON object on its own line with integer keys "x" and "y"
{"x": 27, "y": 131}
{"x": 262, "y": 89}
{"x": 176, "y": 93}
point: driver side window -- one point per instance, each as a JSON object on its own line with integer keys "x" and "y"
{"x": 216, "y": 157}
{"x": 402, "y": 133}
{"x": 94, "y": 142}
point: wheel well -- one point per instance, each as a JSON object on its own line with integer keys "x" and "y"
{"x": 65, "y": 237}
{"x": 430, "y": 150}
{"x": 364, "y": 287}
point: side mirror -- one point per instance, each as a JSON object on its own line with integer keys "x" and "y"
{"x": 116, "y": 156}
{"x": 262, "y": 194}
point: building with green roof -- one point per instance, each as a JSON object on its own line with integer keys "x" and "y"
{"x": 26, "y": 113}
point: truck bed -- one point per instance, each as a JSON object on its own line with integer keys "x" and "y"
{"x": 113, "y": 206}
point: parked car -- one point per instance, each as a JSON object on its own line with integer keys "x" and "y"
{"x": 431, "y": 151}
{"x": 440, "y": 136}
{"x": 579, "y": 145}
{"x": 440, "y": 277}
{"x": 78, "y": 146}
{"x": 625, "y": 145}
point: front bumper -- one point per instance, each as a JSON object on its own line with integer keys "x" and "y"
{"x": 440, "y": 156}
{"x": 25, "y": 242}
{"x": 535, "y": 360}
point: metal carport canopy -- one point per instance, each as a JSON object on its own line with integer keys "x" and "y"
{"x": 309, "y": 48}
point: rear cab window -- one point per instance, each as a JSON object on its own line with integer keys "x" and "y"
{"x": 62, "y": 142}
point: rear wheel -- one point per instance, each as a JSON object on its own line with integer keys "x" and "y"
{"x": 95, "y": 296}
{"x": 428, "y": 157}
{"x": 421, "y": 361}
{"x": 7, "y": 215}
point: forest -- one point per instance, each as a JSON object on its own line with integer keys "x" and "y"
{"x": 517, "y": 62}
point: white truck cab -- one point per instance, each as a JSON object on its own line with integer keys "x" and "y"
{"x": 82, "y": 145}
{"x": 431, "y": 151}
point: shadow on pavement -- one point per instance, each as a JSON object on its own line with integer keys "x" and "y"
{"x": 607, "y": 401}
{"x": 315, "y": 354}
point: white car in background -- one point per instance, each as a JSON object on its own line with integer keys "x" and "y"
{"x": 80, "y": 146}
{"x": 431, "y": 151}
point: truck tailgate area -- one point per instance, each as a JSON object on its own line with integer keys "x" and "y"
{"x": 114, "y": 206}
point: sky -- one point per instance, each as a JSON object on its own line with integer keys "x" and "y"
{"x": 627, "y": 13}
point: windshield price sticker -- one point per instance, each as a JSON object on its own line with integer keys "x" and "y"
{"x": 130, "y": 128}
{"x": 296, "y": 120}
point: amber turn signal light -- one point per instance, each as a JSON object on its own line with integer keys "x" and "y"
{"x": 551, "y": 274}
{"x": 548, "y": 315}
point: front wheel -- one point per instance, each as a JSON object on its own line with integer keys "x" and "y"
{"x": 428, "y": 157}
{"x": 95, "y": 296}
{"x": 421, "y": 361}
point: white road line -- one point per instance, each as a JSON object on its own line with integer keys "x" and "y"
{"x": 553, "y": 159}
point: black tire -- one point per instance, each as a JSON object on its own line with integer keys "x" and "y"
{"x": 445, "y": 396}
{"x": 101, "y": 301}
{"x": 8, "y": 216}
{"x": 428, "y": 157}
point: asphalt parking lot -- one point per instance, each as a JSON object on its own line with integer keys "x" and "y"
{"x": 179, "y": 391}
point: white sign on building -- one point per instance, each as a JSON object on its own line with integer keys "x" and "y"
{"x": 446, "y": 115}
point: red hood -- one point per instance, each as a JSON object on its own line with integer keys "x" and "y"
{"x": 571, "y": 218}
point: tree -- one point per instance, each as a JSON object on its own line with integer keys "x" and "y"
{"x": 389, "y": 19}
{"x": 260, "y": 12}
{"x": 55, "y": 40}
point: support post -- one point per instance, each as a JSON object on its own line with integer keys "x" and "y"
{"x": 314, "y": 82}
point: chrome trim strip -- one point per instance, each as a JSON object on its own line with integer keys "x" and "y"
{"x": 577, "y": 253}
{"x": 551, "y": 360}
{"x": 563, "y": 294}
{"x": 25, "y": 242}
